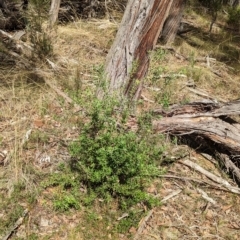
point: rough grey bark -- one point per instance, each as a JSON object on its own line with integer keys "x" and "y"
{"x": 127, "y": 61}
{"x": 172, "y": 22}
{"x": 53, "y": 13}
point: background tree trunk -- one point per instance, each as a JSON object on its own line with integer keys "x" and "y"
{"x": 127, "y": 62}
{"x": 53, "y": 13}
{"x": 172, "y": 22}
{"x": 234, "y": 3}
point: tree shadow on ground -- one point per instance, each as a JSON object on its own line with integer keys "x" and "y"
{"x": 222, "y": 45}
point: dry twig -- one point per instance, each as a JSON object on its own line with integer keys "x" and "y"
{"x": 142, "y": 224}
{"x": 200, "y": 181}
{"x": 171, "y": 195}
{"x": 211, "y": 176}
{"x": 144, "y": 221}
{"x": 16, "y": 225}
{"x": 205, "y": 196}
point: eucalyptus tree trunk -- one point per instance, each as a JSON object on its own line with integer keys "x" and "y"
{"x": 53, "y": 13}
{"x": 128, "y": 61}
{"x": 172, "y": 22}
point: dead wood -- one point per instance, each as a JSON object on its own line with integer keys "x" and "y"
{"x": 144, "y": 221}
{"x": 12, "y": 15}
{"x": 207, "y": 126}
{"x": 211, "y": 176}
{"x": 143, "y": 224}
{"x": 16, "y": 225}
{"x": 206, "y": 197}
{"x": 192, "y": 88}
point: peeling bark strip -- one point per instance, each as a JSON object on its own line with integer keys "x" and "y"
{"x": 208, "y": 126}
{"x": 127, "y": 61}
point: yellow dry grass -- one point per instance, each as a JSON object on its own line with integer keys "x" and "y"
{"x": 27, "y": 105}
{"x": 78, "y": 48}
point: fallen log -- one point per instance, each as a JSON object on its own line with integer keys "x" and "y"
{"x": 207, "y": 126}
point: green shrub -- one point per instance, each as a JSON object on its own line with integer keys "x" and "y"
{"x": 113, "y": 162}
{"x": 67, "y": 195}
{"x": 65, "y": 202}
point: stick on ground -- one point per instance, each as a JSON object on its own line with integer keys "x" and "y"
{"x": 16, "y": 225}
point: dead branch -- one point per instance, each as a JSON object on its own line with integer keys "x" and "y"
{"x": 203, "y": 109}
{"x": 15, "y": 39}
{"x": 206, "y": 197}
{"x": 77, "y": 108}
{"x": 16, "y": 225}
{"x": 146, "y": 99}
{"x": 144, "y": 221}
{"x": 209, "y": 158}
{"x": 199, "y": 181}
{"x": 171, "y": 195}
{"x": 142, "y": 224}
{"x": 205, "y": 95}
{"x": 211, "y": 176}
{"x": 229, "y": 165}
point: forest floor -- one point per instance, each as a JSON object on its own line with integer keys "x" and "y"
{"x": 37, "y": 125}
